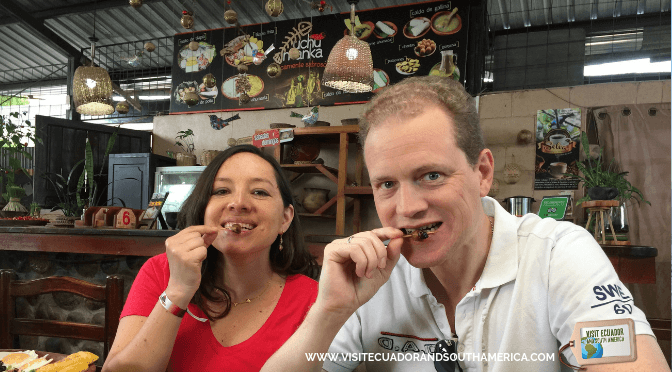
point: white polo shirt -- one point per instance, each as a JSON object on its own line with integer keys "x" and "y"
{"x": 541, "y": 277}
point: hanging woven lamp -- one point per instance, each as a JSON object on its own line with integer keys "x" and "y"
{"x": 349, "y": 66}
{"x": 91, "y": 86}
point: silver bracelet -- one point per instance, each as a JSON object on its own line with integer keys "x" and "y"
{"x": 195, "y": 317}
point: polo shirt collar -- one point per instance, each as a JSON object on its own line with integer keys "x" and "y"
{"x": 501, "y": 265}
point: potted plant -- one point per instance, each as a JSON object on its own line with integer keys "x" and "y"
{"x": 14, "y": 137}
{"x": 185, "y": 141}
{"x": 74, "y": 198}
{"x": 604, "y": 182}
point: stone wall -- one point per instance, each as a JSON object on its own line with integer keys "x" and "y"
{"x": 66, "y": 306}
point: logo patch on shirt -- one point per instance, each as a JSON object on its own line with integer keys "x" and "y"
{"x": 612, "y": 294}
{"x": 407, "y": 343}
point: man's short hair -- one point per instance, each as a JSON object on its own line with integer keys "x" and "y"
{"x": 411, "y": 96}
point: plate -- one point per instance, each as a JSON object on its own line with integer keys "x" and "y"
{"x": 183, "y": 88}
{"x": 429, "y": 42}
{"x": 229, "y": 86}
{"x": 245, "y": 53}
{"x": 365, "y": 35}
{"x": 206, "y": 93}
{"x": 389, "y": 24}
{"x": 376, "y": 87}
{"x": 196, "y": 60}
{"x": 13, "y": 223}
{"x": 404, "y": 72}
{"x": 454, "y": 25}
{"x": 410, "y": 35}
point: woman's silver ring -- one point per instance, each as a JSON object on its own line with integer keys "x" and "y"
{"x": 350, "y": 238}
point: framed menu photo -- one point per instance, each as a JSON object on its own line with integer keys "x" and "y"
{"x": 153, "y": 211}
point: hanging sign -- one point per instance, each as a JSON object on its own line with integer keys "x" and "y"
{"x": 285, "y": 60}
{"x": 557, "y": 148}
{"x": 267, "y": 138}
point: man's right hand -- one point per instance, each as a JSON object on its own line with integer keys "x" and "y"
{"x": 186, "y": 251}
{"x": 352, "y": 272}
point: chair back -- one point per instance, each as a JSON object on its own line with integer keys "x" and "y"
{"x": 111, "y": 293}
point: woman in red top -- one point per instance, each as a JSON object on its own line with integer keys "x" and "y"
{"x": 237, "y": 268}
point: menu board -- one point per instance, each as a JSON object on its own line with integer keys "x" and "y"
{"x": 427, "y": 38}
{"x": 557, "y": 149}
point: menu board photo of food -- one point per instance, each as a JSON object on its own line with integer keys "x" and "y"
{"x": 281, "y": 64}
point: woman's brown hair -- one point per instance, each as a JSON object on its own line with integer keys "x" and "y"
{"x": 293, "y": 259}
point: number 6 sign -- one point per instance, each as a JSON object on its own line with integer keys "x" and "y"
{"x": 125, "y": 219}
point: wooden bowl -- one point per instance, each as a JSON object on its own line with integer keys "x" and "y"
{"x": 409, "y": 35}
{"x": 443, "y": 33}
{"x": 389, "y": 24}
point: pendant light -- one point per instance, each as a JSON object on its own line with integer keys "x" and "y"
{"x": 91, "y": 85}
{"x": 349, "y": 66}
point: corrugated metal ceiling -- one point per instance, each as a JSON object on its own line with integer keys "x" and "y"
{"x": 21, "y": 51}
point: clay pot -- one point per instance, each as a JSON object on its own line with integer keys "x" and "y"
{"x": 314, "y": 198}
{"x": 185, "y": 159}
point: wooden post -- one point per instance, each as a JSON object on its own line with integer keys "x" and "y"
{"x": 342, "y": 177}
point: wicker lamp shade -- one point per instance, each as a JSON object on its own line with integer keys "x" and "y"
{"x": 349, "y": 66}
{"x": 92, "y": 89}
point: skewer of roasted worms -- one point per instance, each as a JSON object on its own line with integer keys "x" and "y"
{"x": 419, "y": 234}
{"x": 236, "y": 228}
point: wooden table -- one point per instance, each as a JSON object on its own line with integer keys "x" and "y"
{"x": 120, "y": 242}
{"x": 633, "y": 263}
{"x": 55, "y": 356}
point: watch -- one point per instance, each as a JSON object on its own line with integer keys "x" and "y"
{"x": 170, "y": 306}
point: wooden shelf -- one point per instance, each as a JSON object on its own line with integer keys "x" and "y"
{"x": 316, "y": 215}
{"x": 343, "y": 135}
{"x": 358, "y": 190}
{"x": 330, "y": 172}
{"x": 309, "y": 168}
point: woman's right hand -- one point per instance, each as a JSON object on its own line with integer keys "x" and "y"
{"x": 186, "y": 251}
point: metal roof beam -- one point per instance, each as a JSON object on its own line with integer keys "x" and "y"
{"x": 618, "y": 4}
{"x": 570, "y": 11}
{"x": 641, "y": 6}
{"x": 71, "y": 10}
{"x": 548, "y": 12}
{"x": 593, "y": 9}
{"x": 526, "y": 13}
{"x": 38, "y": 29}
{"x": 504, "y": 13}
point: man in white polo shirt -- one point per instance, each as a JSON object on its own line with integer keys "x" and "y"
{"x": 476, "y": 281}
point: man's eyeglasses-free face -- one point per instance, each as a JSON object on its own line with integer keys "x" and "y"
{"x": 447, "y": 362}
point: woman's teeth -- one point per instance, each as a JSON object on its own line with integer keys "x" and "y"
{"x": 238, "y": 227}
{"x": 428, "y": 228}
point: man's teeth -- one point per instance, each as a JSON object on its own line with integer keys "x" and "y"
{"x": 427, "y": 228}
{"x": 243, "y": 226}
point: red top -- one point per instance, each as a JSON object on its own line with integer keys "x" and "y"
{"x": 196, "y": 348}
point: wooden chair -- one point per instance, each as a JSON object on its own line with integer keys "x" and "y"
{"x": 111, "y": 293}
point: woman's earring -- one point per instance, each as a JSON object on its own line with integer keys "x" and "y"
{"x": 280, "y": 246}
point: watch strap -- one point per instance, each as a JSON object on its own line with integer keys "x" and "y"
{"x": 170, "y": 306}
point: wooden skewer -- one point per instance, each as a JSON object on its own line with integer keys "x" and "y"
{"x": 419, "y": 235}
